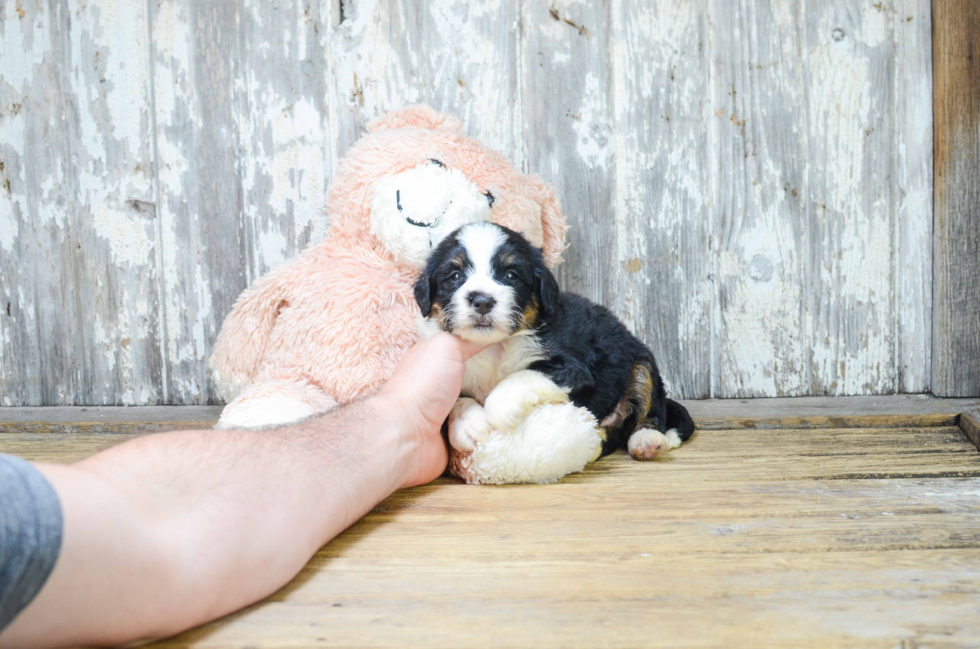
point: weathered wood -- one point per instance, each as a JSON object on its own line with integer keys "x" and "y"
{"x": 197, "y": 78}
{"x": 457, "y": 57}
{"x": 758, "y": 228}
{"x": 569, "y": 136}
{"x": 109, "y": 415}
{"x": 78, "y": 242}
{"x": 912, "y": 202}
{"x": 956, "y": 289}
{"x": 895, "y": 411}
{"x": 970, "y": 424}
{"x": 764, "y": 529}
{"x": 818, "y": 253}
{"x": 829, "y": 412}
{"x": 662, "y": 263}
{"x": 194, "y": 153}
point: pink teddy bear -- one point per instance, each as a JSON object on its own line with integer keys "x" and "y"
{"x": 332, "y": 324}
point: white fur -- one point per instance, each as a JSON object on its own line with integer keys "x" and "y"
{"x": 515, "y": 396}
{"x": 649, "y": 444}
{"x": 438, "y": 197}
{"x": 468, "y": 425}
{"x": 483, "y": 372}
{"x": 265, "y": 412}
{"x": 553, "y": 441}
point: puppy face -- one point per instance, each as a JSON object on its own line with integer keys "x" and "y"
{"x": 485, "y": 283}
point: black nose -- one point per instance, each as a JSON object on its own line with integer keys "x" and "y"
{"x": 481, "y": 302}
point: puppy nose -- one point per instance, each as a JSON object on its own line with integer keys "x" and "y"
{"x": 481, "y": 302}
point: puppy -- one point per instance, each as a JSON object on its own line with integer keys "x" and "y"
{"x": 486, "y": 283}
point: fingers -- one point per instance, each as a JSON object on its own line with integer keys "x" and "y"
{"x": 468, "y": 348}
{"x": 456, "y": 345}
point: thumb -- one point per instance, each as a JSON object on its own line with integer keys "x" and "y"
{"x": 466, "y": 349}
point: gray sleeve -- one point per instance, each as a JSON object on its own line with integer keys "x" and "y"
{"x": 30, "y": 534}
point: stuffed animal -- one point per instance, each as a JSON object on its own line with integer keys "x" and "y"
{"x": 332, "y": 324}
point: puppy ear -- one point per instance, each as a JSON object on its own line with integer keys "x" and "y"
{"x": 424, "y": 286}
{"x": 547, "y": 289}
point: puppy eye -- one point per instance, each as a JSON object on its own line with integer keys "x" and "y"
{"x": 436, "y": 162}
{"x": 490, "y": 198}
{"x": 511, "y": 276}
{"x": 454, "y": 276}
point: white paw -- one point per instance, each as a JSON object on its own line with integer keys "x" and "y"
{"x": 510, "y": 402}
{"x": 553, "y": 441}
{"x": 468, "y": 425}
{"x": 649, "y": 444}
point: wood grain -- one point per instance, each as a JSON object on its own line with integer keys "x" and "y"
{"x": 849, "y": 537}
{"x": 567, "y": 105}
{"x": 748, "y": 183}
{"x": 758, "y": 232}
{"x": 457, "y": 57}
{"x": 663, "y": 212}
{"x": 956, "y": 291}
{"x": 78, "y": 273}
{"x": 969, "y": 422}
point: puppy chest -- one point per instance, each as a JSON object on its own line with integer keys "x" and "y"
{"x": 488, "y": 368}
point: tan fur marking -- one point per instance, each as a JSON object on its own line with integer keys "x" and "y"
{"x": 440, "y": 315}
{"x": 530, "y": 316}
{"x": 508, "y": 260}
{"x": 641, "y": 389}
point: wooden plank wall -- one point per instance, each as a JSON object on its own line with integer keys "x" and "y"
{"x": 749, "y": 182}
{"x": 956, "y": 56}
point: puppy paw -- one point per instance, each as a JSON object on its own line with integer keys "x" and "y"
{"x": 514, "y": 397}
{"x": 468, "y": 425}
{"x": 648, "y": 444}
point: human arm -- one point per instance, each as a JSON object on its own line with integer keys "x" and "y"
{"x": 172, "y": 530}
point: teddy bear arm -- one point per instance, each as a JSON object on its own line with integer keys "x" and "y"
{"x": 242, "y": 341}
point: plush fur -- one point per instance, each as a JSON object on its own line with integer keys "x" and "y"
{"x": 488, "y": 284}
{"x": 332, "y": 324}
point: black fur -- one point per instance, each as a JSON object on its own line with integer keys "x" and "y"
{"x": 587, "y": 349}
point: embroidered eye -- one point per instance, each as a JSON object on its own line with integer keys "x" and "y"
{"x": 511, "y": 276}
{"x": 490, "y": 198}
{"x": 436, "y": 162}
{"x": 454, "y": 276}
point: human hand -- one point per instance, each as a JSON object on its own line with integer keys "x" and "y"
{"x": 418, "y": 397}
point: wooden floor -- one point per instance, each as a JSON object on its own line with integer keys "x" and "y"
{"x": 782, "y": 523}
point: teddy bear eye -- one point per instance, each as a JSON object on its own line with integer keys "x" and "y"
{"x": 436, "y": 162}
{"x": 490, "y": 198}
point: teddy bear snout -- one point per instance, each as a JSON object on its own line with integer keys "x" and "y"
{"x": 413, "y": 210}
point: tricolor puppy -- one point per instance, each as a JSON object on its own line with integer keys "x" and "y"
{"x": 486, "y": 283}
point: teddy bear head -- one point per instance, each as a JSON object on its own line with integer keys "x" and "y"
{"x": 415, "y": 177}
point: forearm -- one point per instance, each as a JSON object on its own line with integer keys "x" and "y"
{"x": 203, "y": 523}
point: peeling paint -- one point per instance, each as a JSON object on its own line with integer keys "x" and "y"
{"x": 749, "y": 185}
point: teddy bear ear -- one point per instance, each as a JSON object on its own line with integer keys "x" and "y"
{"x": 417, "y": 116}
{"x": 553, "y": 223}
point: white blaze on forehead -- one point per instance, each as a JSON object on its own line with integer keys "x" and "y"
{"x": 481, "y": 241}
